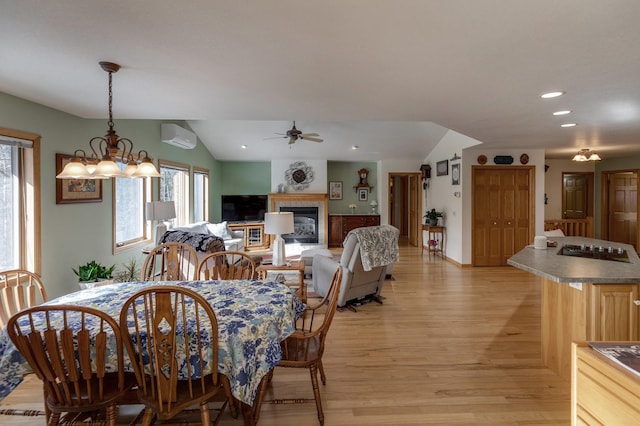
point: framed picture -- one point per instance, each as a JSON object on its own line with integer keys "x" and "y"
{"x": 363, "y": 194}
{"x": 455, "y": 174}
{"x": 70, "y": 191}
{"x": 442, "y": 168}
{"x": 335, "y": 190}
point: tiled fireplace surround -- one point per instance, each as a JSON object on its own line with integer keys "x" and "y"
{"x": 302, "y": 199}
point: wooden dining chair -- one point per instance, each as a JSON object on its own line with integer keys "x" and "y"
{"x": 227, "y": 265}
{"x": 66, "y": 346}
{"x": 19, "y": 289}
{"x": 304, "y": 348}
{"x": 171, "y": 261}
{"x": 172, "y": 335}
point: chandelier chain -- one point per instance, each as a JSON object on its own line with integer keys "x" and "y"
{"x": 110, "y": 123}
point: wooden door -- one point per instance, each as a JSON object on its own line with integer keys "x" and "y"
{"x": 623, "y": 207}
{"x": 502, "y": 213}
{"x": 405, "y": 201}
{"x": 414, "y": 209}
{"x": 575, "y": 195}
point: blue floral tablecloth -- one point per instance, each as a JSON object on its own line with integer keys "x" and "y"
{"x": 253, "y": 318}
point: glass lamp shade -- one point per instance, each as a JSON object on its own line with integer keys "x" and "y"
{"x": 594, "y": 157}
{"x": 131, "y": 168}
{"x": 146, "y": 169}
{"x": 74, "y": 170}
{"x": 108, "y": 168}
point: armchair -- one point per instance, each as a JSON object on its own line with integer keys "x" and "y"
{"x": 367, "y": 254}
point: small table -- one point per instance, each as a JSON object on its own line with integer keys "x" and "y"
{"x": 290, "y": 265}
{"x": 434, "y": 233}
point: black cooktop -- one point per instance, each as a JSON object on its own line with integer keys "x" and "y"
{"x": 616, "y": 254}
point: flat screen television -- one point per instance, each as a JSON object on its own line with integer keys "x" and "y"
{"x": 238, "y": 208}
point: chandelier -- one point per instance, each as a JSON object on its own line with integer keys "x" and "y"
{"x": 105, "y": 151}
{"x": 586, "y": 155}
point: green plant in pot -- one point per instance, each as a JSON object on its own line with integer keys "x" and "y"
{"x": 88, "y": 272}
{"x": 432, "y": 217}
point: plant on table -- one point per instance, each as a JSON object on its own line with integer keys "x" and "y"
{"x": 432, "y": 216}
{"x": 93, "y": 271}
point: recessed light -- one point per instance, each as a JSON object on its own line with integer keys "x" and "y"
{"x": 355, "y": 147}
{"x": 565, "y": 112}
{"x": 568, "y": 125}
{"x": 243, "y": 146}
{"x": 551, "y": 95}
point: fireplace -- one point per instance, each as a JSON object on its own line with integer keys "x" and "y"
{"x": 285, "y": 201}
{"x": 305, "y": 225}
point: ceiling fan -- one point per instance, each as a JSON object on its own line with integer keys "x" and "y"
{"x": 295, "y": 134}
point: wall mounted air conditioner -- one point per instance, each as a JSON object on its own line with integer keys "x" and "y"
{"x": 178, "y": 136}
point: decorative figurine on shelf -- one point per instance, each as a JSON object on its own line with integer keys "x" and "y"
{"x": 364, "y": 173}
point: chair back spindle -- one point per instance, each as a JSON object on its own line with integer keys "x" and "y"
{"x": 19, "y": 289}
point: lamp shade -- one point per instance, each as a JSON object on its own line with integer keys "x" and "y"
{"x": 278, "y": 223}
{"x": 160, "y": 210}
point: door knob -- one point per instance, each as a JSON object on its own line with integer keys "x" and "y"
{"x": 636, "y": 302}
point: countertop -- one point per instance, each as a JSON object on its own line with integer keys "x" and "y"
{"x": 547, "y": 263}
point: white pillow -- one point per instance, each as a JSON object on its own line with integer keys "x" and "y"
{"x": 554, "y": 233}
{"x": 198, "y": 227}
{"x": 220, "y": 229}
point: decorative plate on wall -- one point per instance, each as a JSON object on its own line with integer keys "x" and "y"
{"x": 524, "y": 159}
{"x": 299, "y": 175}
{"x": 482, "y": 159}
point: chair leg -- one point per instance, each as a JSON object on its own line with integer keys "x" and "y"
{"x": 322, "y": 376}
{"x": 313, "y": 370}
{"x": 262, "y": 390}
{"x": 54, "y": 418}
{"x": 112, "y": 414}
{"x": 147, "y": 418}
{"x": 205, "y": 414}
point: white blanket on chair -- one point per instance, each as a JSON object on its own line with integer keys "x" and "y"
{"x": 378, "y": 245}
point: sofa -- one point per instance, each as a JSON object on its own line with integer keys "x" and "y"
{"x": 367, "y": 257}
{"x": 233, "y": 240}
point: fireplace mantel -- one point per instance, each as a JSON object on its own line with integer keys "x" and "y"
{"x": 292, "y": 199}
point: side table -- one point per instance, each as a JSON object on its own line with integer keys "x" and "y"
{"x": 437, "y": 234}
{"x": 291, "y": 265}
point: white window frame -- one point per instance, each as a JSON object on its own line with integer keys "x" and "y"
{"x": 145, "y": 236}
{"x": 28, "y": 225}
{"x": 200, "y": 195}
{"x": 179, "y": 190}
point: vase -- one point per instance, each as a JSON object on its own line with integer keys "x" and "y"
{"x": 433, "y": 222}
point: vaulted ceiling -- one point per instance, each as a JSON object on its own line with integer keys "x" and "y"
{"x": 387, "y": 76}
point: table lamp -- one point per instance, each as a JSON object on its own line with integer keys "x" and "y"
{"x": 160, "y": 211}
{"x": 278, "y": 223}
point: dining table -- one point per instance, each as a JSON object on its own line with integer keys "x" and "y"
{"x": 254, "y": 317}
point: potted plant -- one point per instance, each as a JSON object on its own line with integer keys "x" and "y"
{"x": 432, "y": 217}
{"x": 92, "y": 272}
{"x": 130, "y": 272}
{"x": 106, "y": 274}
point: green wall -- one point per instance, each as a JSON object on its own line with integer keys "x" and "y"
{"x": 73, "y": 234}
{"x": 246, "y": 177}
{"x": 347, "y": 173}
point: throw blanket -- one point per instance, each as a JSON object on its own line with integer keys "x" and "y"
{"x": 378, "y": 245}
{"x": 200, "y": 242}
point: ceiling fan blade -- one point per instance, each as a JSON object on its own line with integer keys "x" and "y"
{"x": 276, "y": 137}
{"x": 307, "y": 138}
{"x": 309, "y": 134}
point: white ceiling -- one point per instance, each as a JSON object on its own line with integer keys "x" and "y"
{"x": 377, "y": 74}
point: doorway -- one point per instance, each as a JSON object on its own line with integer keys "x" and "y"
{"x": 620, "y": 207}
{"x": 577, "y": 195}
{"x": 405, "y": 203}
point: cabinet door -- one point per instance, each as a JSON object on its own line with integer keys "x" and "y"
{"x": 615, "y": 315}
{"x": 335, "y": 231}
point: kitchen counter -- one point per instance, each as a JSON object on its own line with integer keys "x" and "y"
{"x": 550, "y": 265}
{"x": 582, "y": 299}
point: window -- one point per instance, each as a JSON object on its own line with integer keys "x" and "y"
{"x": 174, "y": 186}
{"x": 129, "y": 198}
{"x": 200, "y": 194}
{"x": 20, "y": 200}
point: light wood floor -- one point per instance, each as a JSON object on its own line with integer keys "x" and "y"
{"x": 450, "y": 346}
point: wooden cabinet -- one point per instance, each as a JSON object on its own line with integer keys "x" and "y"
{"x": 341, "y": 224}
{"x": 254, "y": 236}
{"x": 503, "y": 212}
{"x": 614, "y": 313}
{"x": 602, "y": 392}
{"x": 585, "y": 312}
